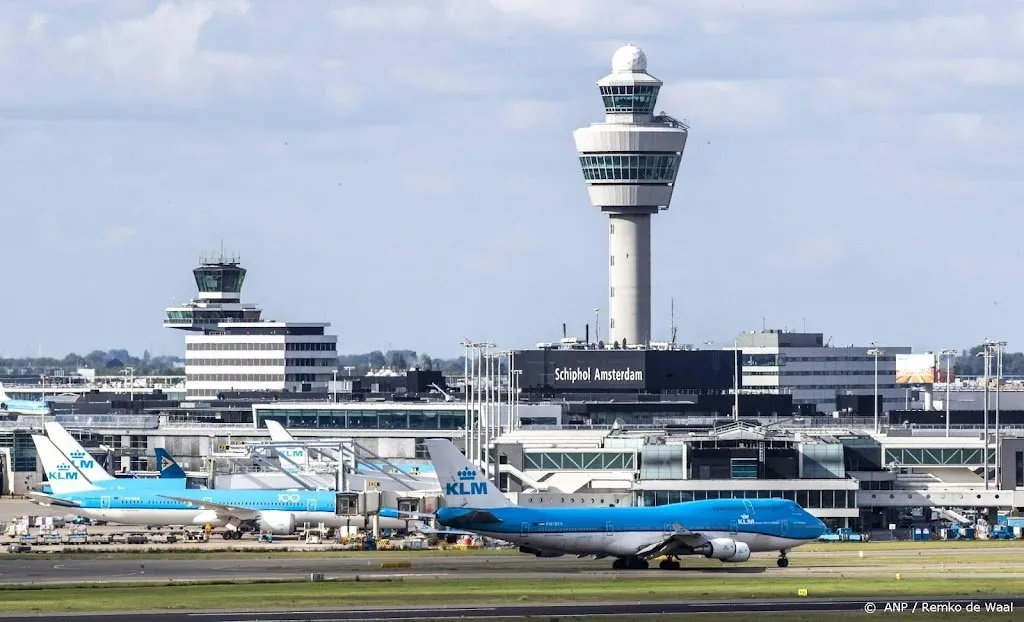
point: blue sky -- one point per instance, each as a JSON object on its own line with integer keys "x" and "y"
{"x": 406, "y": 171}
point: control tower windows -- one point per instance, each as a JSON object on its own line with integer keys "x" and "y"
{"x": 661, "y": 167}
{"x": 217, "y": 279}
{"x": 629, "y": 99}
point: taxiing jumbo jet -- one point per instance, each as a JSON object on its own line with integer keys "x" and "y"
{"x": 22, "y": 407}
{"x": 279, "y": 512}
{"x": 726, "y": 529}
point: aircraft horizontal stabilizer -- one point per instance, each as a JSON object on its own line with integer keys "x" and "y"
{"x": 41, "y": 498}
{"x": 222, "y": 509}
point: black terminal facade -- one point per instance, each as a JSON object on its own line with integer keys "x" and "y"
{"x": 640, "y": 387}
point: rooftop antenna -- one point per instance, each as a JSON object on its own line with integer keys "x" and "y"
{"x": 672, "y": 322}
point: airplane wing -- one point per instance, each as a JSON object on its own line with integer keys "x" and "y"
{"x": 681, "y": 536}
{"x": 232, "y": 511}
{"x": 41, "y": 498}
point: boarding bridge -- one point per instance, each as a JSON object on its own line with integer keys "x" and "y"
{"x": 959, "y": 498}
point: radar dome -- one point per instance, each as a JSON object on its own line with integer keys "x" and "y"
{"x": 629, "y": 58}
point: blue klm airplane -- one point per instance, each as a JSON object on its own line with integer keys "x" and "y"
{"x": 726, "y": 529}
{"x": 22, "y": 407}
{"x": 275, "y": 511}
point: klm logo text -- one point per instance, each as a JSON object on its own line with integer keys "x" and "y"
{"x": 63, "y": 473}
{"x": 78, "y": 457}
{"x": 467, "y": 484}
{"x": 465, "y": 488}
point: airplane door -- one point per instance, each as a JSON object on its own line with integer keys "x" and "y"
{"x": 311, "y": 505}
{"x": 524, "y": 529}
{"x": 608, "y": 528}
{"x": 785, "y": 528}
{"x": 732, "y": 527}
{"x": 105, "y": 503}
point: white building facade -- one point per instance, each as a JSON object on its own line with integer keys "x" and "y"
{"x": 260, "y": 356}
{"x": 816, "y": 372}
{"x": 231, "y": 348}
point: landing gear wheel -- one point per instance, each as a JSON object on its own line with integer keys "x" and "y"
{"x": 669, "y": 564}
{"x": 619, "y": 564}
{"x": 227, "y": 535}
{"x": 783, "y": 560}
{"x": 635, "y": 563}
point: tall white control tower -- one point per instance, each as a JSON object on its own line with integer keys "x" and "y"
{"x": 630, "y": 163}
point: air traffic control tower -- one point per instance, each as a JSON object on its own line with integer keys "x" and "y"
{"x": 630, "y": 163}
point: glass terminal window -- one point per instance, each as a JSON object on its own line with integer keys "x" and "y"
{"x": 629, "y": 99}
{"x": 653, "y": 167}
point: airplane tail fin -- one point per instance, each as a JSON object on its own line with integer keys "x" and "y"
{"x": 292, "y": 458}
{"x": 462, "y": 484}
{"x": 63, "y": 476}
{"x": 80, "y": 458}
{"x": 167, "y": 466}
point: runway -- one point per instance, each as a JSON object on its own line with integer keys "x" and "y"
{"x": 100, "y": 569}
{"x": 507, "y": 611}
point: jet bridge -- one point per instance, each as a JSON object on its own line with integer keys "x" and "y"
{"x": 265, "y": 464}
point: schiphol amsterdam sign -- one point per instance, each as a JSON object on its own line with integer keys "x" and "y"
{"x": 574, "y": 375}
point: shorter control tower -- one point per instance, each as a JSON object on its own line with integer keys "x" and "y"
{"x": 230, "y": 347}
{"x": 630, "y": 163}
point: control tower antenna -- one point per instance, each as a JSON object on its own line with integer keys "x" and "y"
{"x": 630, "y": 163}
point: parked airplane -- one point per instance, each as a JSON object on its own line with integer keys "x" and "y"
{"x": 725, "y": 529}
{"x": 166, "y": 465}
{"x": 275, "y": 511}
{"x": 22, "y": 407}
{"x": 94, "y": 477}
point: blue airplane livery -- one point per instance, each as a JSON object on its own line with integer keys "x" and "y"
{"x": 22, "y": 407}
{"x": 724, "y": 529}
{"x": 147, "y": 502}
{"x": 165, "y": 464}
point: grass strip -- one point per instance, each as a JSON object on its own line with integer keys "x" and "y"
{"x": 284, "y": 594}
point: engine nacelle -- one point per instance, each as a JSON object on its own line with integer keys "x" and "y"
{"x": 529, "y": 550}
{"x": 742, "y": 553}
{"x": 718, "y": 548}
{"x": 277, "y": 522}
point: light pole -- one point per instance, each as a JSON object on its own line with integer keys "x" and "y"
{"x": 986, "y": 355}
{"x": 949, "y": 357}
{"x": 597, "y": 326}
{"x": 999, "y": 381}
{"x": 989, "y": 346}
{"x": 736, "y": 380}
{"x": 875, "y": 352}
{"x": 334, "y": 388}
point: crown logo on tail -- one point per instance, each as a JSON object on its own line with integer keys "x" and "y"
{"x": 77, "y": 455}
{"x": 467, "y": 474}
{"x": 63, "y": 467}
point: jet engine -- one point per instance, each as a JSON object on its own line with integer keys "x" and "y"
{"x": 719, "y": 548}
{"x": 742, "y": 553}
{"x": 539, "y": 553}
{"x": 277, "y": 522}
